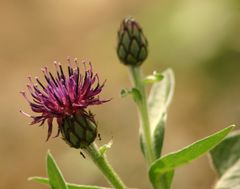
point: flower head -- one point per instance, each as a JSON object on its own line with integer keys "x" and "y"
{"x": 132, "y": 48}
{"x": 64, "y": 96}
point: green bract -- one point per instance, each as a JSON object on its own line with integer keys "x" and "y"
{"x": 79, "y": 131}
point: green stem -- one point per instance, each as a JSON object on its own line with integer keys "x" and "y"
{"x": 102, "y": 163}
{"x": 143, "y": 114}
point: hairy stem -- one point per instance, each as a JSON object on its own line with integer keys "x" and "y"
{"x": 102, "y": 163}
{"x": 143, "y": 114}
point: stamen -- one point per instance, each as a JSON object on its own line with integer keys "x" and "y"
{"x": 56, "y": 67}
{"x": 45, "y": 71}
{"x": 76, "y": 62}
{"x": 84, "y": 64}
{"x": 69, "y": 61}
{"x": 70, "y": 67}
{"x": 29, "y": 88}
{"x": 58, "y": 100}
{"x": 62, "y": 74}
{"x": 90, "y": 65}
{"x": 55, "y": 63}
{"x": 25, "y": 96}
{"x": 30, "y": 80}
{"x": 77, "y": 81}
{"x": 36, "y": 78}
{"x": 53, "y": 79}
{"x": 24, "y": 113}
{"x": 69, "y": 71}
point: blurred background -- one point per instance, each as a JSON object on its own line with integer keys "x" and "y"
{"x": 198, "y": 39}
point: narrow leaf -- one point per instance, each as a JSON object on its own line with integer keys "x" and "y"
{"x": 56, "y": 179}
{"x": 159, "y": 99}
{"x": 158, "y": 136}
{"x": 43, "y": 180}
{"x": 227, "y": 153}
{"x": 173, "y": 160}
{"x": 231, "y": 178}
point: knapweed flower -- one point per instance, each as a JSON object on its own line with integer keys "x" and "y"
{"x": 132, "y": 48}
{"x": 65, "y": 97}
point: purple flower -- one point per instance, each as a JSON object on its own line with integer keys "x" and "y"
{"x": 64, "y": 95}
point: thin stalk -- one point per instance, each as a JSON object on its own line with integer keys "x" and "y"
{"x": 102, "y": 163}
{"x": 143, "y": 114}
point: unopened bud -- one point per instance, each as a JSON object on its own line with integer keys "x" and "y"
{"x": 132, "y": 48}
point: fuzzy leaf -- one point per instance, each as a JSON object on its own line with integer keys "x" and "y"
{"x": 70, "y": 186}
{"x": 158, "y": 136}
{"x": 159, "y": 99}
{"x": 166, "y": 164}
{"x": 227, "y": 153}
{"x": 56, "y": 179}
{"x": 231, "y": 178}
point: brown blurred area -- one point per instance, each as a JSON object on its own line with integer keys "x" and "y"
{"x": 198, "y": 39}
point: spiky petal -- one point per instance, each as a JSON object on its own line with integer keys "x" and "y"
{"x": 63, "y": 95}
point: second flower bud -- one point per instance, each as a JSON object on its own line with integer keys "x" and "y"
{"x": 132, "y": 48}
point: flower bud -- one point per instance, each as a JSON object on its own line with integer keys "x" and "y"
{"x": 132, "y": 48}
{"x": 79, "y": 130}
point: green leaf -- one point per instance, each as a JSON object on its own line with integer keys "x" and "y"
{"x": 158, "y": 137}
{"x": 231, "y": 178}
{"x": 155, "y": 77}
{"x": 103, "y": 149}
{"x": 168, "y": 163}
{"x": 134, "y": 92}
{"x": 141, "y": 142}
{"x": 165, "y": 180}
{"x": 42, "y": 180}
{"x": 226, "y": 160}
{"x": 56, "y": 179}
{"x": 124, "y": 93}
{"x": 70, "y": 186}
{"x": 159, "y": 99}
{"x": 227, "y": 153}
